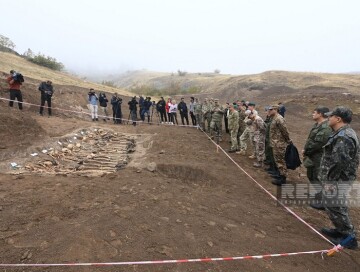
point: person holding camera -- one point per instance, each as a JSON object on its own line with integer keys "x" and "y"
{"x": 146, "y": 109}
{"x": 116, "y": 107}
{"x": 93, "y": 100}
{"x": 14, "y": 88}
{"x": 103, "y": 104}
{"x": 182, "y": 107}
{"x": 133, "y": 109}
{"x": 161, "y": 108}
{"x": 47, "y": 92}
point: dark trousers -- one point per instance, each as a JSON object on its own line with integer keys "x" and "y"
{"x": 184, "y": 115}
{"x": 193, "y": 118}
{"x": 169, "y": 116}
{"x": 18, "y": 95}
{"x": 173, "y": 118}
{"x": 163, "y": 116}
{"x": 45, "y": 98}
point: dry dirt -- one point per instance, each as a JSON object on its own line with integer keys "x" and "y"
{"x": 196, "y": 203}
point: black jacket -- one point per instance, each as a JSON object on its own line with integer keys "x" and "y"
{"x": 45, "y": 88}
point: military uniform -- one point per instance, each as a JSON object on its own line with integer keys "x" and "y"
{"x": 279, "y": 140}
{"x": 338, "y": 167}
{"x": 245, "y": 135}
{"x": 216, "y": 119}
{"x": 198, "y": 113}
{"x": 269, "y": 157}
{"x": 259, "y": 139}
{"x": 233, "y": 123}
{"x": 206, "y": 113}
{"x": 317, "y": 138}
{"x": 242, "y": 125}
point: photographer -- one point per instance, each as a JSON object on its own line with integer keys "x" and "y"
{"x": 116, "y": 107}
{"x": 93, "y": 100}
{"x": 182, "y": 107}
{"x": 14, "y": 88}
{"x": 161, "y": 108}
{"x": 47, "y": 91}
{"x": 103, "y": 104}
{"x": 133, "y": 109}
{"x": 146, "y": 109}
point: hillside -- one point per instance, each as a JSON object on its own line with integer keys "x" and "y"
{"x": 222, "y": 85}
{"x": 10, "y": 61}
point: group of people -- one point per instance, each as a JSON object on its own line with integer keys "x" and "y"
{"x": 331, "y": 154}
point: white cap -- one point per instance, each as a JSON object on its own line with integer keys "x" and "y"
{"x": 247, "y": 112}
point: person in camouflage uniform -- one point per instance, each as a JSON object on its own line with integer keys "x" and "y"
{"x": 258, "y": 138}
{"x": 246, "y": 133}
{"x": 338, "y": 171}
{"x": 251, "y": 107}
{"x": 269, "y": 157}
{"x": 217, "y": 113}
{"x": 279, "y": 140}
{"x": 233, "y": 124}
{"x": 242, "y": 125}
{"x": 312, "y": 152}
{"x": 206, "y": 113}
{"x": 198, "y": 113}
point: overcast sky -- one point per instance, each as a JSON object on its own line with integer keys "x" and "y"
{"x": 235, "y": 36}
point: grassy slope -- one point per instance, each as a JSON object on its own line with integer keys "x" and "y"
{"x": 216, "y": 82}
{"x": 30, "y": 70}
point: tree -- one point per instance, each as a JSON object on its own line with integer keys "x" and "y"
{"x": 6, "y": 42}
{"x": 29, "y": 53}
{"x": 217, "y": 71}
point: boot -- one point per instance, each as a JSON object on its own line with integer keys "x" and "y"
{"x": 242, "y": 152}
{"x": 231, "y": 151}
{"x": 352, "y": 244}
{"x": 258, "y": 164}
{"x": 279, "y": 180}
{"x": 333, "y": 233}
{"x": 252, "y": 157}
{"x": 317, "y": 206}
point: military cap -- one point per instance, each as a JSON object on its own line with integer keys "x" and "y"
{"x": 251, "y": 104}
{"x": 216, "y": 100}
{"x": 344, "y": 113}
{"x": 273, "y": 107}
{"x": 322, "y": 110}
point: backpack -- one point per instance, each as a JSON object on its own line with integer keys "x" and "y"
{"x": 19, "y": 78}
{"x": 292, "y": 157}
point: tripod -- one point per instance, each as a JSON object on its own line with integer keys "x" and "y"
{"x": 157, "y": 114}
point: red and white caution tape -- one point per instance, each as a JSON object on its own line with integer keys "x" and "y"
{"x": 254, "y": 257}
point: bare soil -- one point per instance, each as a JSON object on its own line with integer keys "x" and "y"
{"x": 195, "y": 204}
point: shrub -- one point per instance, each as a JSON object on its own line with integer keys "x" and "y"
{"x": 182, "y": 73}
{"x": 46, "y": 61}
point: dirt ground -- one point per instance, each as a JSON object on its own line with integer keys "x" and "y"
{"x": 195, "y": 204}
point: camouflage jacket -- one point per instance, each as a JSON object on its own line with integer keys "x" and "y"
{"x": 233, "y": 120}
{"x": 279, "y": 134}
{"x": 341, "y": 156}
{"x": 242, "y": 116}
{"x": 197, "y": 108}
{"x": 259, "y": 126}
{"x": 217, "y": 113}
{"x": 206, "y": 108}
{"x": 317, "y": 138}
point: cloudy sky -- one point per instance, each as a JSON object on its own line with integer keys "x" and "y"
{"x": 235, "y": 36}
